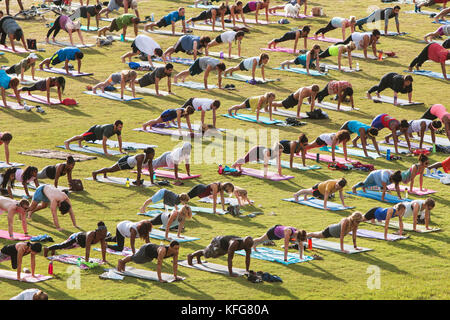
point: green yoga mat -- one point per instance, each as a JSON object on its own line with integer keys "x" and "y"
{"x": 196, "y": 209}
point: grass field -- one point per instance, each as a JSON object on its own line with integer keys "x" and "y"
{"x": 415, "y": 268}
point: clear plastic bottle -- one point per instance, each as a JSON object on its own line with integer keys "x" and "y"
{"x": 357, "y": 66}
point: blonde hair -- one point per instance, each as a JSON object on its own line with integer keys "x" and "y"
{"x": 185, "y": 212}
{"x": 184, "y": 198}
{"x": 351, "y": 46}
{"x": 352, "y": 19}
{"x": 354, "y": 220}
{"x": 241, "y": 192}
{"x": 267, "y": 95}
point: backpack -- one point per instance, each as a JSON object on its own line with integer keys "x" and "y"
{"x": 317, "y": 114}
{"x": 31, "y": 44}
{"x": 291, "y": 121}
{"x": 233, "y": 210}
{"x": 76, "y": 185}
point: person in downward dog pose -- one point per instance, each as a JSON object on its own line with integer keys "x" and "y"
{"x": 435, "y": 52}
{"x": 438, "y": 111}
{"x": 65, "y": 23}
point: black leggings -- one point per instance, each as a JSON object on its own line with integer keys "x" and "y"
{"x": 287, "y": 36}
{"x": 421, "y": 58}
{"x": 346, "y": 41}
{"x": 120, "y": 239}
{"x": 385, "y": 83}
{"x": 11, "y": 70}
{"x": 35, "y": 87}
{"x": 197, "y": 190}
{"x": 325, "y": 54}
{"x": 202, "y": 16}
{"x": 55, "y": 28}
{"x": 329, "y": 27}
{"x": 322, "y": 94}
{"x": 80, "y": 239}
{"x": 370, "y": 214}
{"x": 446, "y": 44}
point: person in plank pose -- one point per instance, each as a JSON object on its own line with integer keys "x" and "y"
{"x": 445, "y": 165}
{"x": 292, "y": 35}
{"x": 169, "y": 19}
{"x": 115, "y": 5}
{"x": 380, "y": 179}
{"x": 14, "y": 207}
{"x": 87, "y": 12}
{"x": 123, "y": 77}
{"x": 441, "y": 16}
{"x": 213, "y": 189}
{"x": 363, "y": 41}
{"x": 188, "y": 44}
{"x": 255, "y": 6}
{"x": 7, "y": 82}
{"x": 439, "y": 33}
{"x": 17, "y": 251}
{"x": 132, "y": 230}
{"x": 9, "y": 28}
{"x": 294, "y": 147}
{"x": 64, "y": 54}
{"x": 150, "y": 251}
{"x": 415, "y": 170}
{"x": 286, "y": 233}
{"x": 296, "y": 99}
{"x": 45, "y": 84}
{"x": 435, "y": 52}
{"x": 228, "y": 37}
{"x": 384, "y": 120}
{"x": 251, "y": 64}
{"x": 298, "y": 3}
{"x": 99, "y": 132}
{"x": 438, "y": 111}
{"x": 338, "y": 51}
{"x": 340, "y": 88}
{"x": 127, "y": 163}
{"x": 203, "y": 105}
{"x": 5, "y": 140}
{"x": 261, "y": 153}
{"x": 31, "y": 294}
{"x": 340, "y": 230}
{"x": 22, "y": 66}
{"x": 169, "y": 199}
{"x": 7, "y": 182}
{"x": 306, "y": 60}
{"x": 47, "y": 195}
{"x": 26, "y": 176}
{"x": 172, "y": 159}
{"x": 169, "y": 220}
{"x": 418, "y": 4}
{"x": 420, "y": 127}
{"x": 381, "y": 14}
{"x": 146, "y": 45}
{"x": 155, "y": 77}
{"x": 170, "y": 115}
{"x": 323, "y": 190}
{"x": 420, "y": 210}
{"x": 225, "y": 245}
{"x": 331, "y": 140}
{"x": 364, "y": 132}
{"x": 257, "y": 103}
{"x": 65, "y": 23}
{"x": 211, "y": 14}
{"x": 396, "y": 82}
{"x": 56, "y": 171}
{"x": 386, "y": 215}
{"x": 201, "y": 64}
{"x": 335, "y": 23}
{"x": 233, "y": 11}
{"x": 121, "y": 22}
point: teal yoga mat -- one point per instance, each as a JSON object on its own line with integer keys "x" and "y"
{"x": 318, "y": 204}
{"x": 375, "y": 195}
{"x": 302, "y": 71}
{"x": 428, "y": 73}
{"x": 252, "y": 118}
{"x": 273, "y": 255}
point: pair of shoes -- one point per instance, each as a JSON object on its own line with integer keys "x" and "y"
{"x": 317, "y": 257}
{"x": 39, "y": 109}
{"x": 230, "y": 86}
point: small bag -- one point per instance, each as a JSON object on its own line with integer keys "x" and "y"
{"x": 31, "y": 44}
{"x": 76, "y": 185}
{"x": 317, "y": 12}
{"x": 233, "y": 210}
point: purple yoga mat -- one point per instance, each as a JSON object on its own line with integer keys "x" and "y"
{"x": 260, "y": 174}
{"x": 415, "y": 191}
{"x": 326, "y": 39}
{"x": 168, "y": 132}
{"x": 280, "y": 49}
{"x": 377, "y": 235}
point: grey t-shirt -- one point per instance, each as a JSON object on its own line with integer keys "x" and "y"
{"x": 335, "y": 230}
{"x": 171, "y": 198}
{"x": 106, "y": 130}
{"x": 10, "y": 26}
{"x": 204, "y": 62}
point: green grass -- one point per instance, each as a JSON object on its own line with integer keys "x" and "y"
{"x": 410, "y": 269}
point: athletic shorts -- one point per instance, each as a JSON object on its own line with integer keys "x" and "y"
{"x": 271, "y": 233}
{"x": 219, "y": 39}
{"x": 188, "y": 103}
{"x": 446, "y": 165}
{"x": 89, "y": 135}
{"x": 145, "y": 80}
{"x": 320, "y": 142}
{"x": 289, "y": 102}
{"x": 162, "y": 23}
{"x": 316, "y": 193}
{"x": 345, "y": 127}
{"x": 54, "y": 60}
{"x": 123, "y": 163}
{"x": 134, "y": 47}
{"x": 370, "y": 214}
{"x": 213, "y": 250}
{"x": 326, "y": 233}
{"x": 112, "y": 5}
{"x": 377, "y": 122}
{"x": 246, "y": 9}
{"x": 428, "y": 115}
{"x": 39, "y": 195}
{"x": 178, "y": 47}
{"x": 241, "y": 66}
{"x": 247, "y": 103}
{"x": 140, "y": 256}
{"x": 113, "y": 26}
{"x": 195, "y": 68}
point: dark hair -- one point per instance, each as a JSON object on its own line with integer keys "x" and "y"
{"x": 61, "y": 81}
{"x": 144, "y": 228}
{"x": 430, "y": 202}
{"x": 14, "y": 82}
{"x": 376, "y": 32}
{"x": 301, "y": 235}
{"x": 101, "y": 226}
{"x": 64, "y": 207}
{"x": 118, "y": 123}
{"x": 36, "y": 247}
{"x": 397, "y": 7}
{"x": 24, "y": 201}
{"x": 423, "y": 158}
{"x": 373, "y": 131}
{"x": 239, "y": 3}
{"x": 227, "y": 185}
{"x": 70, "y": 160}
{"x": 204, "y": 40}
{"x": 342, "y": 182}
{"x": 169, "y": 66}
{"x": 18, "y": 34}
{"x": 98, "y": 7}
{"x": 149, "y": 150}
{"x": 409, "y": 78}
{"x": 437, "y": 124}
{"x": 396, "y": 177}
{"x": 79, "y": 55}
{"x": 404, "y": 124}
{"x": 6, "y": 137}
{"x": 239, "y": 34}
{"x": 221, "y": 66}
{"x": 302, "y": 138}
{"x": 189, "y": 110}
{"x": 174, "y": 243}
{"x": 6, "y": 175}
{"x": 348, "y": 92}
{"x": 343, "y": 135}
{"x": 216, "y": 103}
{"x": 306, "y": 29}
{"x": 27, "y": 173}
{"x": 158, "y": 52}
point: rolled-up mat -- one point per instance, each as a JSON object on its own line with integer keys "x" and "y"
{"x": 377, "y": 235}
{"x": 318, "y": 204}
{"x": 260, "y": 174}
{"x": 145, "y": 274}
{"x": 272, "y": 255}
{"x": 375, "y": 195}
{"x": 54, "y": 154}
{"x": 211, "y": 267}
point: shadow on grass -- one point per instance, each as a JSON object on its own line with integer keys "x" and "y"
{"x": 319, "y": 273}
{"x": 25, "y": 116}
{"x": 372, "y": 260}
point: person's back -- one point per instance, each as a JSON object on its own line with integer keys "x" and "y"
{"x": 187, "y": 42}
{"x": 204, "y": 62}
{"x": 67, "y": 53}
{"x": 124, "y": 20}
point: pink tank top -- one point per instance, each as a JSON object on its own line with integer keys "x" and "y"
{"x": 63, "y": 22}
{"x": 439, "y": 111}
{"x": 334, "y": 86}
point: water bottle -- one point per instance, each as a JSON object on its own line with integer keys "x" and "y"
{"x": 121, "y": 37}
{"x": 221, "y": 54}
{"x": 154, "y": 177}
{"x": 406, "y": 193}
{"x": 79, "y": 262}
{"x": 388, "y": 154}
{"x": 152, "y": 17}
{"x": 127, "y": 183}
{"x": 357, "y": 66}
{"x": 317, "y": 157}
{"x": 434, "y": 148}
{"x": 309, "y": 244}
{"x": 50, "y": 267}
{"x": 220, "y": 169}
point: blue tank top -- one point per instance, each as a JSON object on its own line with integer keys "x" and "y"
{"x": 354, "y": 126}
{"x": 380, "y": 213}
{"x": 4, "y": 79}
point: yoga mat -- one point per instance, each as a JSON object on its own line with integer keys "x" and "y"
{"x": 12, "y": 105}
{"x": 326, "y": 39}
{"x": 145, "y": 274}
{"x": 111, "y": 95}
{"x": 202, "y": 6}
{"x": 335, "y": 67}
{"x": 119, "y": 181}
{"x": 160, "y": 235}
{"x": 88, "y": 149}
{"x": 18, "y": 49}
{"x": 301, "y": 71}
{"x": 241, "y": 77}
{"x": 252, "y": 118}
{"x": 115, "y": 144}
{"x": 335, "y": 246}
{"x": 179, "y": 60}
{"x": 415, "y": 191}
{"x": 166, "y": 32}
{"x": 390, "y": 100}
{"x": 225, "y": 55}
{"x": 392, "y": 34}
{"x": 194, "y": 209}
{"x": 12, "y": 165}
{"x": 427, "y": 73}
{"x": 147, "y": 64}
{"x": 194, "y": 85}
{"x": 375, "y": 195}
{"x": 273, "y": 255}
{"x": 217, "y": 27}
{"x": 282, "y": 14}
{"x": 331, "y": 106}
{"x": 231, "y": 201}
{"x": 439, "y": 140}
{"x": 119, "y": 38}
{"x": 170, "y": 174}
{"x": 226, "y": 24}
{"x": 438, "y": 175}
{"x": 25, "y": 277}
{"x": 324, "y": 158}
{"x": 377, "y": 235}
{"x": 361, "y": 56}
{"x": 73, "y": 259}
{"x": 33, "y": 187}
{"x": 147, "y": 91}
{"x": 281, "y": 49}
{"x": 4, "y": 234}
{"x": 107, "y": 19}
{"x": 53, "y": 154}
{"x": 37, "y": 98}
{"x": 20, "y": 193}
{"x": 169, "y": 132}
{"x": 68, "y": 44}
{"x": 318, "y": 204}
{"x": 253, "y": 21}
{"x": 401, "y": 143}
{"x": 286, "y": 113}
{"x": 286, "y": 164}
{"x": 352, "y": 152}
{"x": 442, "y": 22}
{"x": 260, "y": 174}
{"x": 384, "y": 148}
{"x": 85, "y": 28}
{"x": 72, "y": 73}
{"x": 125, "y": 252}
{"x": 394, "y": 224}
{"x": 154, "y": 213}
{"x": 211, "y": 267}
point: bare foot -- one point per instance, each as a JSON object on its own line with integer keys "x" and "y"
{"x": 66, "y": 144}
{"x": 189, "y": 259}
{"x": 94, "y": 176}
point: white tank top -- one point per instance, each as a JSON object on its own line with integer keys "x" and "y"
{"x": 202, "y": 104}
{"x": 124, "y": 228}
{"x": 248, "y": 63}
{"x": 414, "y": 125}
{"x": 132, "y": 162}
{"x": 358, "y": 37}
{"x": 327, "y": 138}
{"x": 409, "y": 209}
{"x": 228, "y": 36}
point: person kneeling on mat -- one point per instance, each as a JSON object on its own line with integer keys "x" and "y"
{"x": 64, "y": 54}
{"x": 222, "y": 245}
{"x": 17, "y": 251}
{"x": 385, "y": 215}
{"x": 155, "y": 77}
{"x": 323, "y": 190}
{"x": 151, "y": 251}
{"x": 381, "y": 179}
{"x": 132, "y": 230}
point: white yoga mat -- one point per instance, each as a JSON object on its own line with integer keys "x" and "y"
{"x": 26, "y": 277}
{"x": 194, "y": 85}
{"x": 147, "y": 91}
{"x": 72, "y": 73}
{"x": 111, "y": 95}
{"x": 145, "y": 274}
{"x": 401, "y": 102}
{"x": 119, "y": 181}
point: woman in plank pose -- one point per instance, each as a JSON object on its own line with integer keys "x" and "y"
{"x": 56, "y": 171}
{"x": 331, "y": 140}
{"x": 306, "y": 60}
{"x": 176, "y": 218}
{"x": 292, "y": 35}
{"x": 323, "y": 190}
{"x": 340, "y": 88}
{"x": 172, "y": 159}
{"x": 439, "y": 33}
{"x": 435, "y": 52}
{"x": 44, "y": 85}
{"x": 335, "y": 23}
{"x": 364, "y": 132}
{"x": 295, "y": 147}
{"x": 415, "y": 170}
{"x": 386, "y": 215}
{"x": 170, "y": 115}
{"x": 338, "y": 51}
{"x": 211, "y": 14}
{"x": 396, "y": 82}
{"x": 17, "y": 251}
{"x": 229, "y": 37}
{"x": 250, "y": 64}
{"x": 168, "y": 197}
{"x": 256, "y": 103}
{"x": 123, "y": 77}
{"x": 22, "y": 66}
{"x": 261, "y": 153}
{"x": 132, "y": 230}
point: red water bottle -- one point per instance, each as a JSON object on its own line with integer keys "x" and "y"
{"x": 220, "y": 169}
{"x": 50, "y": 267}
{"x": 309, "y": 244}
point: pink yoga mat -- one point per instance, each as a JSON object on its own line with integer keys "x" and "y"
{"x": 326, "y": 39}
{"x": 170, "y": 174}
{"x": 18, "y": 49}
{"x": 280, "y": 49}
{"x": 260, "y": 174}
{"x": 12, "y": 105}
{"x": 26, "y": 277}
{"x": 324, "y": 158}
{"x": 17, "y": 236}
{"x": 37, "y": 98}
{"x": 415, "y": 190}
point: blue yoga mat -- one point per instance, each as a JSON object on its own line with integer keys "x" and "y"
{"x": 302, "y": 71}
{"x": 273, "y": 255}
{"x": 318, "y": 203}
{"x": 427, "y": 73}
{"x": 442, "y": 22}
{"x": 194, "y": 209}
{"x": 160, "y": 235}
{"x": 252, "y": 118}
{"x": 184, "y": 61}
{"x": 154, "y": 213}
{"x": 75, "y": 147}
{"x": 375, "y": 195}
{"x": 438, "y": 175}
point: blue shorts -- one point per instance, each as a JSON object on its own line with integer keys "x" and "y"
{"x": 377, "y": 123}
{"x": 39, "y": 195}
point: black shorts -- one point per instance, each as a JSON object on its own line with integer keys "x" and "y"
{"x": 427, "y": 115}
{"x": 326, "y": 233}
{"x": 54, "y": 60}
{"x": 195, "y": 68}
{"x": 316, "y": 192}
{"x": 113, "y": 26}
{"x": 162, "y": 23}
{"x": 246, "y": 9}
{"x": 157, "y": 221}
{"x": 247, "y": 103}
{"x": 370, "y": 214}
{"x": 345, "y": 127}
{"x": 320, "y": 142}
{"x": 241, "y": 66}
{"x": 123, "y": 163}
{"x": 134, "y": 47}
{"x": 188, "y": 103}
{"x": 90, "y": 135}
{"x": 289, "y": 102}
{"x": 271, "y": 233}
{"x": 219, "y": 39}
{"x": 179, "y": 47}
